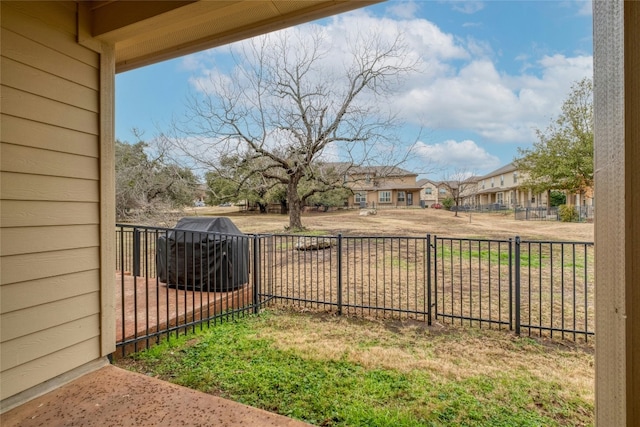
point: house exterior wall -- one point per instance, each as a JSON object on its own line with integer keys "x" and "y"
{"x": 384, "y": 191}
{"x": 504, "y": 188}
{"x": 52, "y": 226}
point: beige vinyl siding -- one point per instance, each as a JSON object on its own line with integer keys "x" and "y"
{"x": 50, "y": 309}
{"x": 18, "y": 296}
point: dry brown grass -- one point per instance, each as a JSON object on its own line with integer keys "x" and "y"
{"x": 409, "y": 222}
{"x": 471, "y": 279}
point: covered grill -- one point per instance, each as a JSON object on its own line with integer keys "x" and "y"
{"x": 204, "y": 254}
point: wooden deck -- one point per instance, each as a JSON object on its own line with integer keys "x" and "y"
{"x": 145, "y": 305}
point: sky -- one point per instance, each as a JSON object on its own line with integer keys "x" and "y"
{"x": 492, "y": 72}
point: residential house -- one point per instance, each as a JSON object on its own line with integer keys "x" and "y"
{"x": 382, "y": 187}
{"x": 503, "y": 188}
{"x": 57, "y": 213}
{"x": 433, "y": 192}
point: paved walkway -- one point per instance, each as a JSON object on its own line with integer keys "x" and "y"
{"x": 112, "y": 396}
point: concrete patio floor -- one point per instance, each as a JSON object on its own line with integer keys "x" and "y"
{"x": 111, "y": 396}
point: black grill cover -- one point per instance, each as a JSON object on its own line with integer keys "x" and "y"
{"x": 204, "y": 254}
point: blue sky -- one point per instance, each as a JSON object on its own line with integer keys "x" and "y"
{"x": 493, "y": 72}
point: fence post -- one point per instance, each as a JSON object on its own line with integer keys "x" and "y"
{"x": 435, "y": 276}
{"x": 510, "y": 284}
{"x": 136, "y": 252}
{"x": 517, "y": 274}
{"x": 339, "y": 273}
{"x": 429, "y": 318}
{"x": 256, "y": 273}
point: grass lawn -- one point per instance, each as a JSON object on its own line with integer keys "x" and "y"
{"x": 340, "y": 371}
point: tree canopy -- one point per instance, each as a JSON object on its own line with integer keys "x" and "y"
{"x": 147, "y": 184}
{"x": 562, "y": 158}
{"x": 294, "y": 104}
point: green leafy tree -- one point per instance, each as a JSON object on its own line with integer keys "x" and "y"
{"x": 557, "y": 198}
{"x": 448, "y": 203}
{"x": 286, "y": 109}
{"x": 562, "y": 158}
{"x": 330, "y": 198}
{"x": 240, "y": 182}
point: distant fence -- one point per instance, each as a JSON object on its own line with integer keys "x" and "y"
{"x": 538, "y": 288}
{"x": 543, "y": 213}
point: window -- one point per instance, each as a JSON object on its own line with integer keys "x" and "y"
{"x": 428, "y": 190}
{"x": 384, "y": 196}
{"x": 401, "y": 196}
{"x": 515, "y": 177}
{"x": 500, "y": 198}
{"x": 483, "y": 184}
{"x": 367, "y": 178}
{"x": 360, "y": 197}
{"x": 442, "y": 191}
{"x": 491, "y": 182}
{"x": 501, "y": 180}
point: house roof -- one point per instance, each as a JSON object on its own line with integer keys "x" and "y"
{"x": 422, "y": 182}
{"x": 385, "y": 171}
{"x": 510, "y": 167}
{"x": 145, "y": 32}
{"x": 388, "y": 187}
{"x": 452, "y": 183}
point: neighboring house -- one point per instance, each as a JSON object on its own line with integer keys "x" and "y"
{"x": 433, "y": 192}
{"x": 382, "y": 187}
{"x": 504, "y": 188}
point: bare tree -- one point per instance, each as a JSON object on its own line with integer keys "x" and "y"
{"x": 460, "y": 184}
{"x": 148, "y": 186}
{"x": 294, "y": 105}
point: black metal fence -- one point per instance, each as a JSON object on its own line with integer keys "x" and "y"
{"x": 164, "y": 289}
{"x": 543, "y": 213}
{"x": 538, "y": 288}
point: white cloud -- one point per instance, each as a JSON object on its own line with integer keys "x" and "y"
{"x": 404, "y": 9}
{"x": 585, "y": 7}
{"x": 461, "y": 155}
{"x": 499, "y": 107}
{"x": 460, "y": 86}
{"x": 467, "y": 6}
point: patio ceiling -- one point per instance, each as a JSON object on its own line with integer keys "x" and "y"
{"x": 145, "y": 32}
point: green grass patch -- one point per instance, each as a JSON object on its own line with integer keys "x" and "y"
{"x": 244, "y": 361}
{"x": 492, "y": 255}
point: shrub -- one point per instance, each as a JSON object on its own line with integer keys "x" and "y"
{"x": 448, "y": 202}
{"x": 568, "y": 213}
{"x": 557, "y": 198}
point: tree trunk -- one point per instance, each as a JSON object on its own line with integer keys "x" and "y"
{"x": 295, "y": 204}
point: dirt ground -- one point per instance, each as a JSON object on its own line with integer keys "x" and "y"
{"x": 408, "y": 222}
